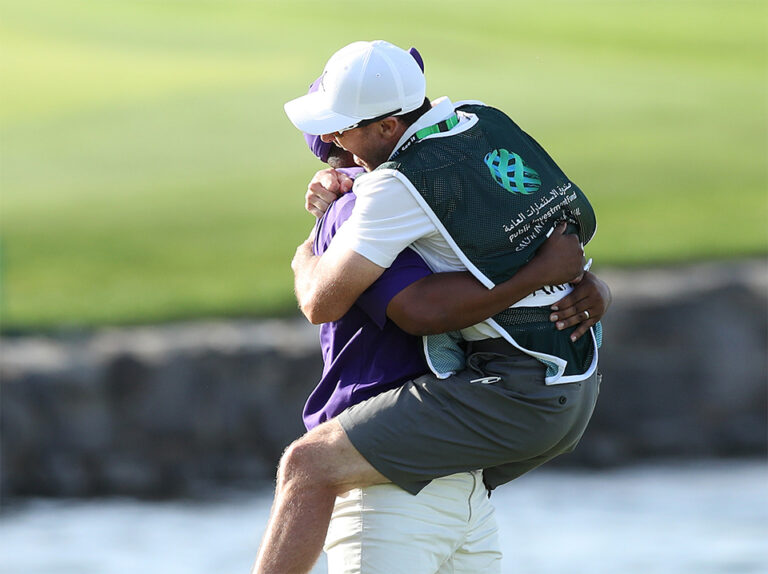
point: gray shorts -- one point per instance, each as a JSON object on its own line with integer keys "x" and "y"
{"x": 496, "y": 415}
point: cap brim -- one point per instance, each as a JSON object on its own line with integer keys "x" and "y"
{"x": 312, "y": 115}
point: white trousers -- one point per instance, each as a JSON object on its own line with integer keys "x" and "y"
{"x": 448, "y": 528}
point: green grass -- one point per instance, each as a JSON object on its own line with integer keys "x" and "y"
{"x": 148, "y": 172}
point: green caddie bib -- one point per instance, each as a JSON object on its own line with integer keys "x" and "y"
{"x": 494, "y": 193}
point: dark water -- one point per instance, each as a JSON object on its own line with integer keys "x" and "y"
{"x": 701, "y": 518}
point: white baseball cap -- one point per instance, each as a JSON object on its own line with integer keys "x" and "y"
{"x": 362, "y": 81}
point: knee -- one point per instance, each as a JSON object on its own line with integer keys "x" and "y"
{"x": 302, "y": 464}
{"x": 325, "y": 459}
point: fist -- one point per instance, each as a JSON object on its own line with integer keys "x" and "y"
{"x": 326, "y": 187}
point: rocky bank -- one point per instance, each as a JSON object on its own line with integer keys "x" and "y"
{"x": 175, "y": 409}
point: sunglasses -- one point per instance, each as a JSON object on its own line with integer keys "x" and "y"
{"x": 368, "y": 122}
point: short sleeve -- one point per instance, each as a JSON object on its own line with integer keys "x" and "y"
{"x": 406, "y": 269}
{"x": 385, "y": 221}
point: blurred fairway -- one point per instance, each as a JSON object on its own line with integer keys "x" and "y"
{"x": 148, "y": 171}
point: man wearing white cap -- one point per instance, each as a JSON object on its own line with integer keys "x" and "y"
{"x": 469, "y": 190}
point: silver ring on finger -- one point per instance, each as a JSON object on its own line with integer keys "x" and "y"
{"x": 587, "y": 314}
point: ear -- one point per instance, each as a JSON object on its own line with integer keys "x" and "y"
{"x": 391, "y": 128}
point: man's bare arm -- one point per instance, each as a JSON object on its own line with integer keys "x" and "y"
{"x": 326, "y": 287}
{"x": 448, "y": 301}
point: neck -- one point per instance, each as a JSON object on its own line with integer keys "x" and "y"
{"x": 394, "y": 139}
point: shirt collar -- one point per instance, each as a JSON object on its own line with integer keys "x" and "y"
{"x": 442, "y": 109}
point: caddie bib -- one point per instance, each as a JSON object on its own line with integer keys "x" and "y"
{"x": 494, "y": 194}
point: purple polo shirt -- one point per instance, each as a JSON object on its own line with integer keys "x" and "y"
{"x": 364, "y": 353}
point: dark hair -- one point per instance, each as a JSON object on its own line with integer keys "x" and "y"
{"x": 411, "y": 117}
{"x": 338, "y": 158}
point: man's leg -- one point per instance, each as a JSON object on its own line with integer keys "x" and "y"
{"x": 313, "y": 471}
{"x": 480, "y": 550}
{"x": 383, "y": 529}
{"x": 426, "y": 429}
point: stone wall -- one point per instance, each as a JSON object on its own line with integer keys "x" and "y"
{"x": 685, "y": 364}
{"x": 172, "y": 410}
